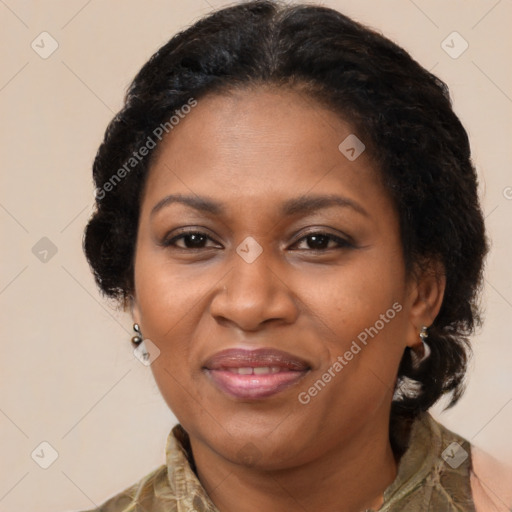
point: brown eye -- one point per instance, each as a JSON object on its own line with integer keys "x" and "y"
{"x": 322, "y": 242}
{"x": 191, "y": 240}
{"x": 194, "y": 240}
{"x": 318, "y": 241}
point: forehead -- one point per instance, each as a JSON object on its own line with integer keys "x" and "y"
{"x": 262, "y": 144}
{"x": 245, "y": 121}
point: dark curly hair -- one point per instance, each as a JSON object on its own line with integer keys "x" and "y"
{"x": 403, "y": 112}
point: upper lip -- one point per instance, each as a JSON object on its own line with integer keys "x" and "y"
{"x": 262, "y": 357}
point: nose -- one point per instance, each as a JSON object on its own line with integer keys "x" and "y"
{"x": 254, "y": 294}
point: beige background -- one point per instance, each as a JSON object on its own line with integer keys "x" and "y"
{"x": 67, "y": 373}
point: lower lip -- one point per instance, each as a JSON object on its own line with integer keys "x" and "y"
{"x": 254, "y": 386}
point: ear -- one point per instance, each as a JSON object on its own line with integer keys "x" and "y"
{"x": 426, "y": 292}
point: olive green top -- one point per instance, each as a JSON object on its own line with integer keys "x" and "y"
{"x": 433, "y": 475}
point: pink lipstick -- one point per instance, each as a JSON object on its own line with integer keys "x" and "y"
{"x": 254, "y": 374}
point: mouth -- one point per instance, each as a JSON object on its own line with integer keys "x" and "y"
{"x": 254, "y": 374}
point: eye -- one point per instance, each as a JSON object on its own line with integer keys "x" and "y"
{"x": 189, "y": 240}
{"x": 319, "y": 241}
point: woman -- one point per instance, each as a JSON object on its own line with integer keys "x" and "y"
{"x": 287, "y": 207}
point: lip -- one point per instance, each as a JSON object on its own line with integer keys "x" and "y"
{"x": 233, "y": 372}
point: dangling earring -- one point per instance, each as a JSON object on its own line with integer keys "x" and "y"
{"x": 143, "y": 347}
{"x": 416, "y": 360}
{"x": 426, "y": 347}
{"x": 405, "y": 386}
{"x": 140, "y": 351}
{"x": 138, "y": 337}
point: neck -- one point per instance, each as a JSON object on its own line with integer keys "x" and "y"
{"x": 350, "y": 477}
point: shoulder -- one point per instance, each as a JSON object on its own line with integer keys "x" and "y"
{"x": 491, "y": 482}
{"x": 142, "y": 495}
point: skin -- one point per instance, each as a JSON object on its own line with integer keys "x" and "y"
{"x": 251, "y": 150}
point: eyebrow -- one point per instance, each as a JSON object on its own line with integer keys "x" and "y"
{"x": 311, "y": 203}
{"x": 200, "y": 203}
{"x": 294, "y": 206}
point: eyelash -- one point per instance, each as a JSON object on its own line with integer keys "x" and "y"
{"x": 342, "y": 243}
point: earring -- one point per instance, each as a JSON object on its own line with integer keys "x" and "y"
{"x": 138, "y": 337}
{"x": 416, "y": 360}
{"x": 426, "y": 347}
{"x": 406, "y": 388}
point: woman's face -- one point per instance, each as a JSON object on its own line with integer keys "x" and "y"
{"x": 275, "y": 288}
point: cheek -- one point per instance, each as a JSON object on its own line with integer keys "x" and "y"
{"x": 169, "y": 306}
{"x": 361, "y": 312}
{"x": 353, "y": 296}
{"x": 166, "y": 293}
{"x": 169, "y": 302}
